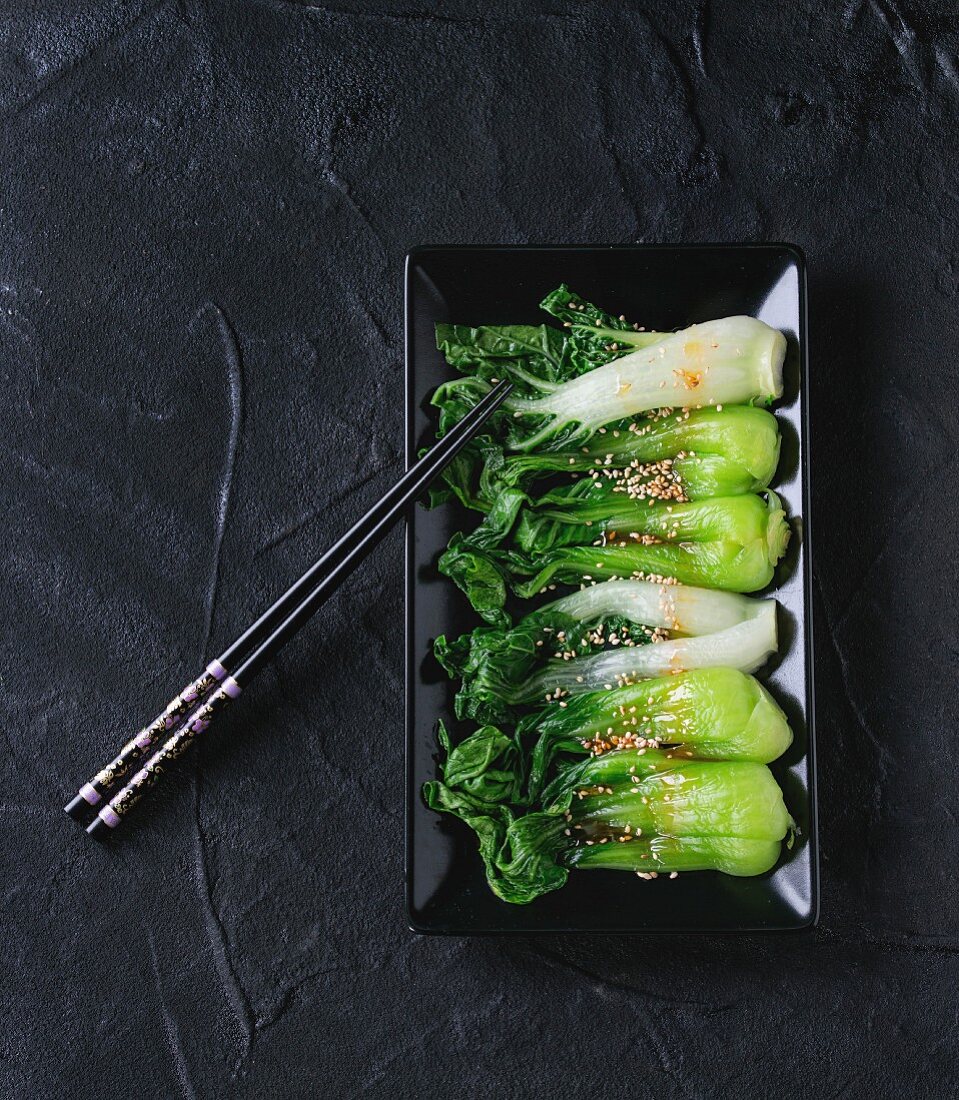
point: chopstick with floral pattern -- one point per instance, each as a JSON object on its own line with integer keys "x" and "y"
{"x": 225, "y": 677}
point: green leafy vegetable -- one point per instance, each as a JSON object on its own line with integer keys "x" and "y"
{"x": 734, "y": 360}
{"x": 702, "y": 453}
{"x": 746, "y": 647}
{"x": 505, "y": 669}
{"x": 713, "y": 713}
{"x": 683, "y": 797}
{"x": 590, "y": 510}
{"x": 732, "y": 543}
{"x": 487, "y": 766}
{"x": 643, "y": 811}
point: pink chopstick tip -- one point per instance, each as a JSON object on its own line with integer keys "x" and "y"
{"x": 90, "y": 793}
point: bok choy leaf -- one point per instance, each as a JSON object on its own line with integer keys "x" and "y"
{"x": 487, "y": 765}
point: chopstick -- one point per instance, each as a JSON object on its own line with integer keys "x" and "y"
{"x": 226, "y": 676}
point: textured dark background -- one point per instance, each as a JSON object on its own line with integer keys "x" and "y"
{"x": 204, "y": 209}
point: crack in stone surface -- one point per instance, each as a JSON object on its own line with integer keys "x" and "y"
{"x": 181, "y": 1066}
{"x": 234, "y": 372}
{"x": 76, "y": 64}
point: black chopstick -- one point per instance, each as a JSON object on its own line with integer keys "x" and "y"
{"x": 236, "y": 667}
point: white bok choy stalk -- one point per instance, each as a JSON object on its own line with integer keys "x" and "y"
{"x": 732, "y": 360}
{"x": 605, "y": 635}
{"x": 746, "y": 646}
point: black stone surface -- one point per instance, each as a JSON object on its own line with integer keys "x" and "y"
{"x": 204, "y": 209}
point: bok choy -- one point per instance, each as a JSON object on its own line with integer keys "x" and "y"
{"x": 599, "y": 513}
{"x": 733, "y": 360}
{"x": 644, "y": 812}
{"x": 710, "y": 713}
{"x": 566, "y": 398}
{"x": 732, "y": 543}
{"x": 701, "y": 452}
{"x": 745, "y": 646}
{"x": 561, "y": 649}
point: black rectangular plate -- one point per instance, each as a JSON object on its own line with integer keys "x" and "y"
{"x": 664, "y": 287}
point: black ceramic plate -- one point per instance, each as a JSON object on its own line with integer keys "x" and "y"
{"x": 665, "y": 287}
